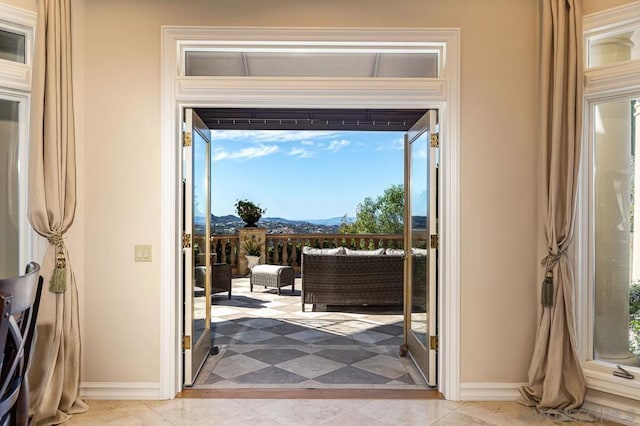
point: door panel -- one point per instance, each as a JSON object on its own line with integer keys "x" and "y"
{"x": 421, "y": 262}
{"x": 196, "y": 247}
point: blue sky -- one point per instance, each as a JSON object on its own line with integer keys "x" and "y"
{"x": 303, "y": 174}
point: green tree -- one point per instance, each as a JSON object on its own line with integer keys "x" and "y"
{"x": 383, "y": 215}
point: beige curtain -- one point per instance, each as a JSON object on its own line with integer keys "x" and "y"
{"x": 54, "y": 376}
{"x": 556, "y": 382}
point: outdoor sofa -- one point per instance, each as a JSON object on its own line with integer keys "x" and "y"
{"x": 345, "y": 277}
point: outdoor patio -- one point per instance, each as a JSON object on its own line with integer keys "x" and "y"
{"x": 265, "y": 340}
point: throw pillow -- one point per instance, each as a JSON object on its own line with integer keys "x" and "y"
{"x": 376, "y": 252}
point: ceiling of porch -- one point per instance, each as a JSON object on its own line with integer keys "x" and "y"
{"x": 310, "y": 119}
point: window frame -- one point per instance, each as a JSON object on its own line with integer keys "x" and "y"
{"x": 15, "y": 85}
{"x": 619, "y": 81}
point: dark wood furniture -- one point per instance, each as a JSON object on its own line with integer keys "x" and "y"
{"x": 20, "y": 298}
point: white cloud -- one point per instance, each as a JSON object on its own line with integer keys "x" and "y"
{"x": 301, "y": 153}
{"x": 273, "y": 136}
{"x": 392, "y": 145}
{"x": 307, "y": 143}
{"x": 336, "y": 146}
{"x": 246, "y": 153}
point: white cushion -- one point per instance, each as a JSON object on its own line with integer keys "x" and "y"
{"x": 376, "y": 252}
{"x": 394, "y": 252}
{"x": 330, "y": 251}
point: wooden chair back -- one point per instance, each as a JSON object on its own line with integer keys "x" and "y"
{"x": 20, "y": 298}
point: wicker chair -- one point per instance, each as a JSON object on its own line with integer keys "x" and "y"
{"x": 220, "y": 278}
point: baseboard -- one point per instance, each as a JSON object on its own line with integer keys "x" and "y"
{"x": 120, "y": 390}
{"x": 611, "y": 408}
{"x": 490, "y": 391}
{"x": 602, "y": 406}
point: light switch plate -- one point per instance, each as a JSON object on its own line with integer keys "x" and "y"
{"x": 142, "y": 253}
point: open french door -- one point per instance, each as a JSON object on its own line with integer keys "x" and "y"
{"x": 196, "y": 153}
{"x": 421, "y": 240}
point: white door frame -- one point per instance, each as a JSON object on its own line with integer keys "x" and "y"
{"x": 178, "y": 92}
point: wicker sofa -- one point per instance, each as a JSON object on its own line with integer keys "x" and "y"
{"x": 352, "y": 277}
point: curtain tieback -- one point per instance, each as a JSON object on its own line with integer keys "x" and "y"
{"x": 58, "y": 283}
{"x": 549, "y": 262}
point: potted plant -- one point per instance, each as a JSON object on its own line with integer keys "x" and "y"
{"x": 252, "y": 252}
{"x": 249, "y": 212}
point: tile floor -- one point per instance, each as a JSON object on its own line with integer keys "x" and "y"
{"x": 265, "y": 339}
{"x": 270, "y": 412}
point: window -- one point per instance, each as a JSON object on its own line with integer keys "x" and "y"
{"x": 608, "y": 231}
{"x": 616, "y": 248}
{"x": 17, "y": 240}
{"x": 12, "y": 46}
{"x": 9, "y": 212}
{"x": 332, "y": 63}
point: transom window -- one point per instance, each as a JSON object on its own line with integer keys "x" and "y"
{"x": 304, "y": 59}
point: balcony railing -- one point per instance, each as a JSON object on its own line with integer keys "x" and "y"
{"x": 286, "y": 249}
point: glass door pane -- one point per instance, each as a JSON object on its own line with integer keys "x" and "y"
{"x": 420, "y": 223}
{"x": 9, "y": 186}
{"x": 197, "y": 261}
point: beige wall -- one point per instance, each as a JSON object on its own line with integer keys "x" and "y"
{"x": 119, "y": 93}
{"x": 22, "y": 4}
{"x": 592, "y": 6}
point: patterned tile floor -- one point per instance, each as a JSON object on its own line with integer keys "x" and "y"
{"x": 266, "y": 340}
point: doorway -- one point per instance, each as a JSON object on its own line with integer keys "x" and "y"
{"x": 180, "y": 91}
{"x": 345, "y": 345}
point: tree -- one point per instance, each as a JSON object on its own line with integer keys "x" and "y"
{"x": 383, "y": 215}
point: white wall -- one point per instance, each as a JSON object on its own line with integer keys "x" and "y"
{"x": 118, "y": 87}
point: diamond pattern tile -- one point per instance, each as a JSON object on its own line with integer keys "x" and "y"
{"x": 266, "y": 339}
{"x": 270, "y": 375}
{"x": 275, "y": 355}
{"x": 351, "y": 375}
{"x": 311, "y": 366}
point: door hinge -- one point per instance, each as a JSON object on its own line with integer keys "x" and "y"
{"x": 435, "y": 241}
{"x": 186, "y": 342}
{"x": 186, "y": 139}
{"x": 186, "y": 240}
{"x": 433, "y": 343}
{"x": 435, "y": 140}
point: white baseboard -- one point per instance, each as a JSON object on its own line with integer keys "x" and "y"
{"x": 610, "y": 409}
{"x": 602, "y": 406}
{"x": 120, "y": 390}
{"x": 490, "y": 391}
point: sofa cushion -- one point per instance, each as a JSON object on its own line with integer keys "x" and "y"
{"x": 394, "y": 252}
{"x": 329, "y": 251}
{"x": 376, "y": 252}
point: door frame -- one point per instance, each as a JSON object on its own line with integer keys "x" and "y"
{"x": 178, "y": 92}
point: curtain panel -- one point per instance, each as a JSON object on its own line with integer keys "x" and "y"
{"x": 54, "y": 375}
{"x": 557, "y": 385}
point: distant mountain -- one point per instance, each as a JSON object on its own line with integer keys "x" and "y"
{"x": 282, "y": 220}
{"x": 334, "y": 221}
{"x": 229, "y": 224}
